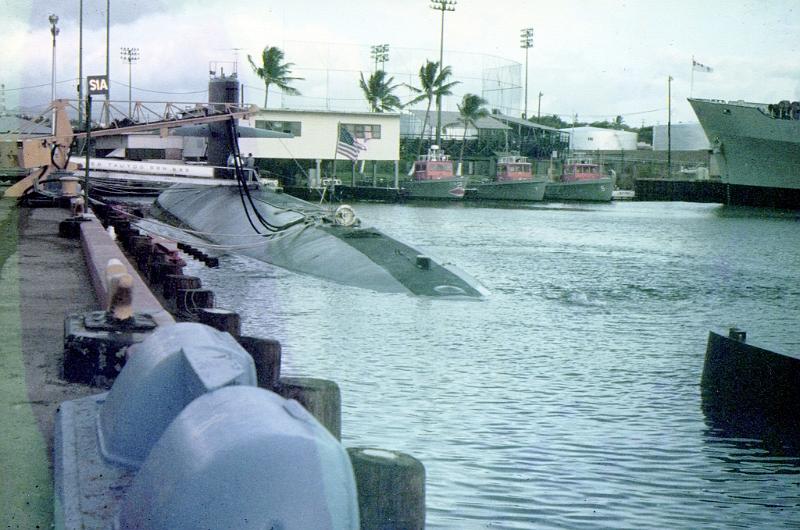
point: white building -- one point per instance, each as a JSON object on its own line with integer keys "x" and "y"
{"x": 599, "y": 139}
{"x": 315, "y": 134}
{"x": 685, "y": 137}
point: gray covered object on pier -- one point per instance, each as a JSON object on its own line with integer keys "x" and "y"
{"x": 189, "y": 441}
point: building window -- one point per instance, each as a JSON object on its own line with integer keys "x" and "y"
{"x": 291, "y": 127}
{"x": 363, "y": 131}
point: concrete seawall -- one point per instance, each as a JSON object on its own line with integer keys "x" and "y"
{"x": 680, "y": 190}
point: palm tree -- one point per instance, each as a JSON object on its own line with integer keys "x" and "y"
{"x": 273, "y": 71}
{"x": 470, "y": 110}
{"x": 433, "y": 85}
{"x": 378, "y": 91}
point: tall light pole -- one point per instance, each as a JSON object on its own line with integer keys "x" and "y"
{"x": 53, "y": 31}
{"x": 441, "y": 5}
{"x": 108, "y": 58}
{"x": 80, "y": 61}
{"x": 129, "y": 55}
{"x": 379, "y": 52}
{"x": 669, "y": 127}
{"x": 526, "y": 41}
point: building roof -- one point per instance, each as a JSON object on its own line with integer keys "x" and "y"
{"x": 524, "y": 123}
{"x": 13, "y": 124}
{"x": 263, "y": 112}
{"x": 451, "y": 118}
{"x": 588, "y": 128}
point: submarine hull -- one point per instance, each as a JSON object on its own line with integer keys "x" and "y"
{"x": 304, "y": 238}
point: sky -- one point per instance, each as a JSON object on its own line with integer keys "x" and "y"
{"x": 592, "y": 58}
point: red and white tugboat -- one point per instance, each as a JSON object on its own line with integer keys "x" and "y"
{"x": 580, "y": 181}
{"x": 514, "y": 182}
{"x": 434, "y": 177}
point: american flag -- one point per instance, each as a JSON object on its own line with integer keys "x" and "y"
{"x": 348, "y": 146}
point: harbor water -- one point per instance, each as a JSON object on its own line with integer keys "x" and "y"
{"x": 570, "y": 397}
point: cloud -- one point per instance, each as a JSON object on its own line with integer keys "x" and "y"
{"x": 599, "y": 58}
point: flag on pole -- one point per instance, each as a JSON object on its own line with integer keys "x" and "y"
{"x": 348, "y": 146}
{"x": 699, "y": 67}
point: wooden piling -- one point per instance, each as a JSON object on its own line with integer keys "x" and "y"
{"x": 391, "y": 489}
{"x": 320, "y": 397}
{"x": 221, "y": 319}
{"x": 266, "y": 354}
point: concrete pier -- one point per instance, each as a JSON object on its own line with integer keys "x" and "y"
{"x": 42, "y": 278}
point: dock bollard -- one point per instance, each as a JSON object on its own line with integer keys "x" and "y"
{"x": 94, "y": 342}
{"x": 391, "y": 489}
{"x": 221, "y": 319}
{"x": 266, "y": 354}
{"x": 320, "y": 397}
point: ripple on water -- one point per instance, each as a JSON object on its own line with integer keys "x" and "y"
{"x": 570, "y": 397}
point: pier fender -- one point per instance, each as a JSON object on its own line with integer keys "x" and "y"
{"x": 164, "y": 373}
{"x": 243, "y": 457}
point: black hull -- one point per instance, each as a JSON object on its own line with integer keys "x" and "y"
{"x": 751, "y": 392}
{"x": 739, "y": 195}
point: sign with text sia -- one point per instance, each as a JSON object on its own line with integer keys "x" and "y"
{"x": 98, "y": 84}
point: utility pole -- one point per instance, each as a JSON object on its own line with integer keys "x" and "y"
{"x": 526, "y": 42}
{"x": 108, "y": 55}
{"x": 129, "y": 55}
{"x": 379, "y": 52}
{"x": 669, "y": 127}
{"x": 539, "y": 109}
{"x": 80, "y": 61}
{"x": 441, "y": 5}
{"x": 54, "y": 32}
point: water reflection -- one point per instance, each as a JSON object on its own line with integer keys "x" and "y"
{"x": 746, "y": 431}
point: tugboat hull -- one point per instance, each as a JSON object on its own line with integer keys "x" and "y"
{"x": 510, "y": 190}
{"x": 598, "y": 190}
{"x": 445, "y": 189}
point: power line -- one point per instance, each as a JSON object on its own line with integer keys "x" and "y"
{"x": 571, "y": 114}
{"x": 159, "y": 91}
{"x": 42, "y": 85}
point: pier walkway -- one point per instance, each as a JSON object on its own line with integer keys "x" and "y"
{"x": 42, "y": 278}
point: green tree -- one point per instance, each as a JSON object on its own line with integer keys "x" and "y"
{"x": 470, "y": 111}
{"x": 378, "y": 91}
{"x": 645, "y": 134}
{"x": 434, "y": 84}
{"x": 273, "y": 71}
{"x": 554, "y": 121}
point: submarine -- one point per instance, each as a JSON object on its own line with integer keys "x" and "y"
{"x": 290, "y": 233}
{"x": 251, "y": 218}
